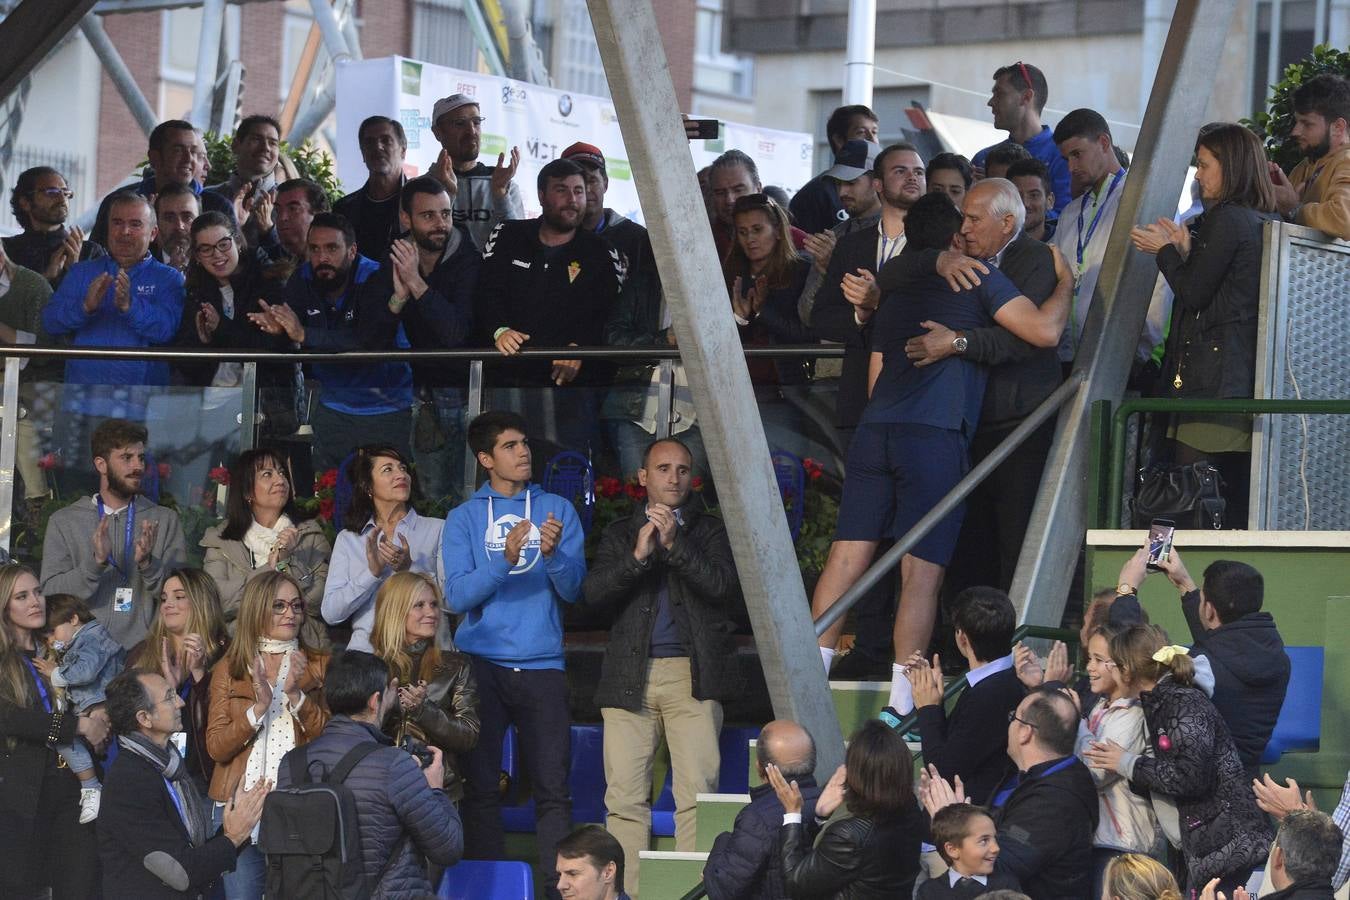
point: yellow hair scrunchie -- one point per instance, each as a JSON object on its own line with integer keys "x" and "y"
{"x": 1170, "y": 652}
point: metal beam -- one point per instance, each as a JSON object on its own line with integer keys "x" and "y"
{"x": 334, "y": 41}
{"x": 31, "y": 30}
{"x": 1177, "y": 105}
{"x": 121, "y": 76}
{"x": 860, "y": 53}
{"x": 663, "y": 169}
{"x": 208, "y": 57}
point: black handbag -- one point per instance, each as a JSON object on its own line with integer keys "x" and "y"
{"x": 1191, "y": 495}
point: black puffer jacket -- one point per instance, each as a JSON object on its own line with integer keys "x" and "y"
{"x": 855, "y": 859}
{"x": 702, "y": 583}
{"x": 1195, "y": 762}
{"x": 1211, "y": 346}
{"x": 1045, "y": 829}
{"x": 746, "y": 863}
{"x": 1251, "y": 675}
{"x": 448, "y": 718}
{"x": 397, "y": 811}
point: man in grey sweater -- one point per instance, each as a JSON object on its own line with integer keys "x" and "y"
{"x": 114, "y": 549}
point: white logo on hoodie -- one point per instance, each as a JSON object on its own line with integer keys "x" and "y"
{"x": 494, "y": 539}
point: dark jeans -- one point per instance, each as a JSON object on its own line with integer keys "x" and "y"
{"x": 64, "y": 853}
{"x": 535, "y": 701}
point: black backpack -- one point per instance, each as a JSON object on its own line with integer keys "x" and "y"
{"x": 309, "y": 833}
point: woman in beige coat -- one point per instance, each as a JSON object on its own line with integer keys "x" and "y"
{"x": 262, "y": 532}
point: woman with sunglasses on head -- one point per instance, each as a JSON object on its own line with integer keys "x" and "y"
{"x": 263, "y": 530}
{"x": 187, "y": 636}
{"x": 765, "y": 275}
{"x": 266, "y": 699}
{"x": 382, "y": 534}
{"x": 44, "y": 846}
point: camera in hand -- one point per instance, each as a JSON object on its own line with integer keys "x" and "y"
{"x": 417, "y": 750}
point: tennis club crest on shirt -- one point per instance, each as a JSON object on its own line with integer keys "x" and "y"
{"x": 573, "y": 270}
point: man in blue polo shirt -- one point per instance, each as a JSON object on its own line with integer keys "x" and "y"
{"x": 1019, "y": 95}
{"x": 911, "y": 447}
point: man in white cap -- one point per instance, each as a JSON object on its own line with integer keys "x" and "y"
{"x": 484, "y": 195}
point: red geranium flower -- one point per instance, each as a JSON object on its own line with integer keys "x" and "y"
{"x": 696, "y": 483}
{"x": 635, "y": 490}
{"x": 328, "y": 479}
{"x": 165, "y": 470}
{"x": 608, "y": 486}
{"x": 49, "y": 461}
{"x": 220, "y": 475}
{"x": 326, "y": 509}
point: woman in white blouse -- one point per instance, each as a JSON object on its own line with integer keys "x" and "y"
{"x": 262, "y": 531}
{"x": 382, "y": 535}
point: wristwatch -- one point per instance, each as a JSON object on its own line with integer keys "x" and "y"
{"x": 1124, "y": 589}
{"x": 960, "y": 343}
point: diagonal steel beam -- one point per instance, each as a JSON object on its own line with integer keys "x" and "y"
{"x": 663, "y": 169}
{"x": 32, "y": 29}
{"x": 117, "y": 70}
{"x": 1181, "y": 92}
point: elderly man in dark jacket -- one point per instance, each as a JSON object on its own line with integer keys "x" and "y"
{"x": 403, "y": 815}
{"x": 668, "y": 574}
{"x": 746, "y": 862}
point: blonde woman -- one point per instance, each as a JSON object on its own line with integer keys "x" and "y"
{"x": 266, "y": 698}
{"x": 187, "y": 636}
{"x": 1131, "y": 876}
{"x": 437, "y": 697}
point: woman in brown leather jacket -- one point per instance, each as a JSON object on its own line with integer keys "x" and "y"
{"x": 266, "y": 699}
{"x": 438, "y": 700}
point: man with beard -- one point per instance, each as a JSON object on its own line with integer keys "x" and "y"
{"x": 175, "y": 208}
{"x": 177, "y": 156}
{"x": 1317, "y": 192}
{"x": 485, "y": 196}
{"x": 373, "y": 209}
{"x": 252, "y": 184}
{"x": 126, "y": 299}
{"x": 431, "y": 278}
{"x": 114, "y": 548}
{"x": 858, "y": 199}
{"x": 843, "y": 311}
{"x": 41, "y": 204}
{"x": 549, "y": 282}
{"x": 335, "y": 302}
{"x": 298, "y": 202}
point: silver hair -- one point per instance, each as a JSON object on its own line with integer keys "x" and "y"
{"x": 1006, "y": 201}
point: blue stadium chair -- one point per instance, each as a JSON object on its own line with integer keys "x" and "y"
{"x": 791, "y": 475}
{"x": 1299, "y": 727}
{"x": 569, "y": 474}
{"x": 733, "y": 778}
{"x": 481, "y": 879}
{"x": 586, "y": 780}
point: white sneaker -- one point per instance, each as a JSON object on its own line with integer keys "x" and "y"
{"x": 89, "y": 801}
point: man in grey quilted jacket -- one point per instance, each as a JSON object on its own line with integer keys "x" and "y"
{"x": 403, "y": 815}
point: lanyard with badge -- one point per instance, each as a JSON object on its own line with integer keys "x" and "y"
{"x": 123, "y": 596}
{"x": 1082, "y": 243}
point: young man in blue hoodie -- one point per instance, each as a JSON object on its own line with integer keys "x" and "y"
{"x": 511, "y": 555}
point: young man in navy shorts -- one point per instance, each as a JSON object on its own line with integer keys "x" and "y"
{"x": 911, "y": 445}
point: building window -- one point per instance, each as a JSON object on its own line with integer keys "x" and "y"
{"x": 441, "y": 34}
{"x": 180, "y": 37}
{"x": 714, "y": 71}
{"x": 577, "y": 65}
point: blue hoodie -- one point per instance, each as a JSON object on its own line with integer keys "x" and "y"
{"x": 511, "y": 615}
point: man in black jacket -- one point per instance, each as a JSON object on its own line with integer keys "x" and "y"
{"x": 668, "y": 573}
{"x": 1239, "y": 654}
{"x": 1020, "y": 377}
{"x": 842, "y": 312}
{"x": 1046, "y": 814}
{"x": 153, "y": 825}
{"x": 40, "y": 203}
{"x": 431, "y": 278}
{"x": 1304, "y": 856}
{"x": 746, "y": 862}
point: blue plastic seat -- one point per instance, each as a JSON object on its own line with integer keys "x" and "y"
{"x": 791, "y": 475}
{"x": 1299, "y": 727}
{"x": 569, "y": 474}
{"x": 480, "y": 879}
{"x": 586, "y": 780}
{"x": 733, "y": 778}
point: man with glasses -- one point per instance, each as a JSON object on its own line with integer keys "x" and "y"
{"x": 485, "y": 196}
{"x": 1018, "y": 97}
{"x": 373, "y": 209}
{"x": 1047, "y": 812}
{"x": 40, "y": 202}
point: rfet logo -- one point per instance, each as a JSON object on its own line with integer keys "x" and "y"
{"x": 565, "y": 105}
{"x": 466, "y": 88}
{"x": 512, "y": 94}
{"x": 766, "y": 147}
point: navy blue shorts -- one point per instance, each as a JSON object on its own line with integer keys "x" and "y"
{"x": 896, "y": 474}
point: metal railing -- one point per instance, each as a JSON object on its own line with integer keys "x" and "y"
{"x": 1120, "y": 420}
{"x": 952, "y": 691}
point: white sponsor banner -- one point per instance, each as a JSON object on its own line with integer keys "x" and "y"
{"x": 541, "y": 121}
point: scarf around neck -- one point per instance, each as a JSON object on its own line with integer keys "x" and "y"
{"x": 259, "y": 539}
{"x": 171, "y": 768}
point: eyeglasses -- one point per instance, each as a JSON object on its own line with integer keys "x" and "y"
{"x": 753, "y": 201}
{"x": 52, "y": 193}
{"x": 279, "y": 607}
{"x": 219, "y": 248}
{"x": 471, "y": 120}
{"x": 1014, "y": 717}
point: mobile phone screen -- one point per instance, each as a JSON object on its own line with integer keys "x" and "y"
{"x": 1160, "y": 533}
{"x": 708, "y": 129}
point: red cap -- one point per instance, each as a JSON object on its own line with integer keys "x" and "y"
{"x": 581, "y": 152}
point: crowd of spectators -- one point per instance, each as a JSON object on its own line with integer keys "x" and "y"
{"x": 148, "y": 708}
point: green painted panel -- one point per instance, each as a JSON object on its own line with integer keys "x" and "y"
{"x": 715, "y": 817}
{"x": 669, "y": 879}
